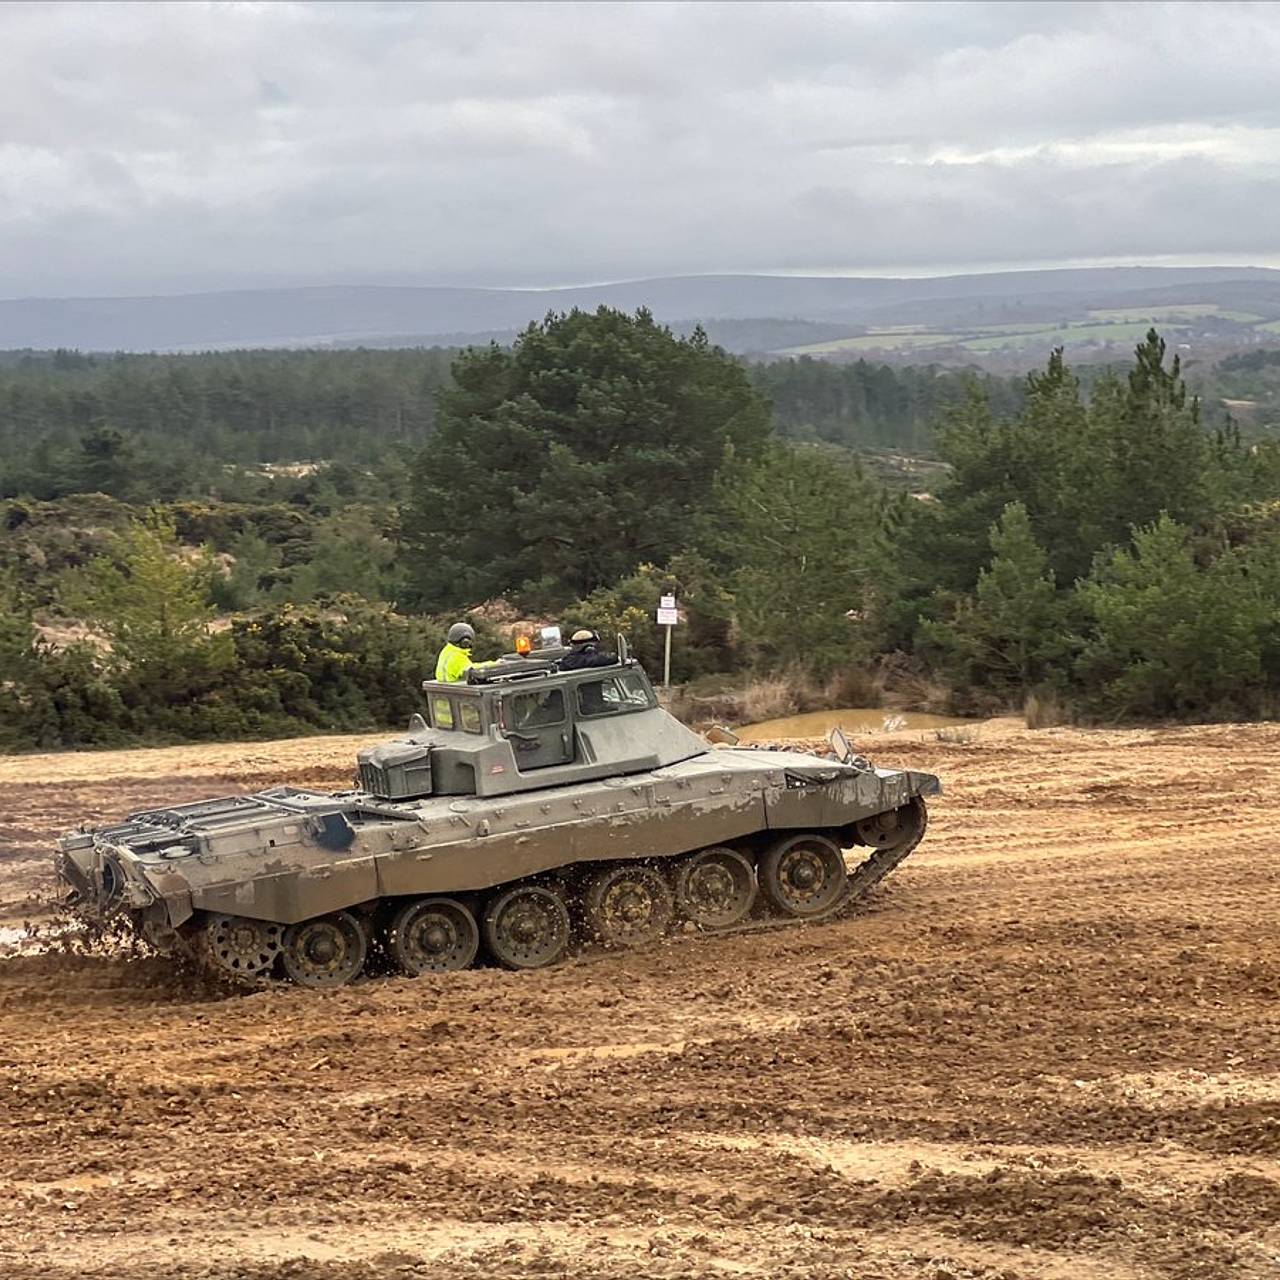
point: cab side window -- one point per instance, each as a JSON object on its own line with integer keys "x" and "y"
{"x": 469, "y": 716}
{"x": 442, "y": 712}
{"x": 536, "y": 710}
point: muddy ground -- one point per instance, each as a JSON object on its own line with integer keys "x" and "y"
{"x": 1048, "y": 1047}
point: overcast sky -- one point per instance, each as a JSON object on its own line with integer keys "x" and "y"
{"x": 155, "y": 147}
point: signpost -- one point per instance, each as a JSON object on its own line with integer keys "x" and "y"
{"x": 668, "y": 617}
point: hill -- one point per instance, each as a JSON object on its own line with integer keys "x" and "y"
{"x": 747, "y": 313}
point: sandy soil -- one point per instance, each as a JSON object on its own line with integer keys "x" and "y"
{"x": 1048, "y": 1047}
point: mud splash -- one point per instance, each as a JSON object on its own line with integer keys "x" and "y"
{"x": 853, "y": 720}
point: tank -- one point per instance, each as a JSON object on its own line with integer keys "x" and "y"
{"x": 529, "y": 810}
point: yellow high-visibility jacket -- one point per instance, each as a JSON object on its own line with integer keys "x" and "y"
{"x": 452, "y": 664}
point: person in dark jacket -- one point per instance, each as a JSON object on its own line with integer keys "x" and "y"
{"x": 584, "y": 651}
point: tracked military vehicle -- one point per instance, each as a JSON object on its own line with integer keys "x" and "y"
{"x": 528, "y": 807}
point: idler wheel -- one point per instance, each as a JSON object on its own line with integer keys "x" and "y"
{"x": 715, "y": 887}
{"x": 896, "y": 829}
{"x": 628, "y": 905}
{"x": 526, "y": 926}
{"x": 433, "y": 935}
{"x": 110, "y": 887}
{"x": 241, "y": 947}
{"x": 803, "y": 875}
{"x": 328, "y": 951}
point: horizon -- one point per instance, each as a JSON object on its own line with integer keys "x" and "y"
{"x": 1191, "y": 262}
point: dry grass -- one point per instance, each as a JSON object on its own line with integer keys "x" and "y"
{"x": 788, "y": 693}
{"x": 61, "y": 633}
{"x": 1044, "y": 710}
{"x": 913, "y": 692}
{"x": 764, "y": 699}
{"x": 957, "y": 735}
{"x": 853, "y": 687}
{"x": 770, "y": 699}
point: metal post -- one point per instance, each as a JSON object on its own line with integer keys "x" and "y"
{"x": 668, "y": 616}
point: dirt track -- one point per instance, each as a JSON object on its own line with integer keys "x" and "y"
{"x": 1047, "y": 1048}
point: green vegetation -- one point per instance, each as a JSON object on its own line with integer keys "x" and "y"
{"x": 1094, "y": 551}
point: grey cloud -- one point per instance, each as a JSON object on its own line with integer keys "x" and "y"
{"x": 164, "y": 146}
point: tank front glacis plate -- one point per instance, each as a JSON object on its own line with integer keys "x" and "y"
{"x": 820, "y": 794}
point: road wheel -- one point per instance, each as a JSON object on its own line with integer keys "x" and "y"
{"x": 526, "y": 926}
{"x": 328, "y": 951}
{"x": 715, "y": 887}
{"x": 803, "y": 875}
{"x": 433, "y": 935}
{"x": 628, "y": 905}
{"x": 898, "y": 828}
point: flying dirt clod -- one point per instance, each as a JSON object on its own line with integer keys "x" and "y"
{"x": 530, "y": 806}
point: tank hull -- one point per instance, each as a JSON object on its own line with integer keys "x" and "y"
{"x": 286, "y": 856}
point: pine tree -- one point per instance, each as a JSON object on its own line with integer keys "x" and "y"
{"x": 148, "y": 600}
{"x": 801, "y": 534}
{"x": 569, "y": 460}
{"x": 1167, "y": 636}
{"x": 1153, "y": 447}
{"x": 1010, "y": 634}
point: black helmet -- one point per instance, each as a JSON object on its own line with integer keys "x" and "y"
{"x": 584, "y": 635}
{"x": 462, "y": 634}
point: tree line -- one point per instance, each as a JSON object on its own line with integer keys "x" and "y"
{"x": 147, "y": 426}
{"x": 1097, "y": 550}
{"x": 142, "y": 427}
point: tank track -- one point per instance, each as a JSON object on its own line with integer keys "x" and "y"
{"x": 862, "y": 879}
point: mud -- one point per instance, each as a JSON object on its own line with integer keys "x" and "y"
{"x": 1046, "y": 1048}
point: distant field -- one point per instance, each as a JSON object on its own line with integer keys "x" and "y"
{"x": 885, "y": 341}
{"x": 979, "y": 330}
{"x": 1067, "y": 335}
{"x": 1174, "y": 311}
{"x": 1119, "y": 325}
{"x": 982, "y": 338}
